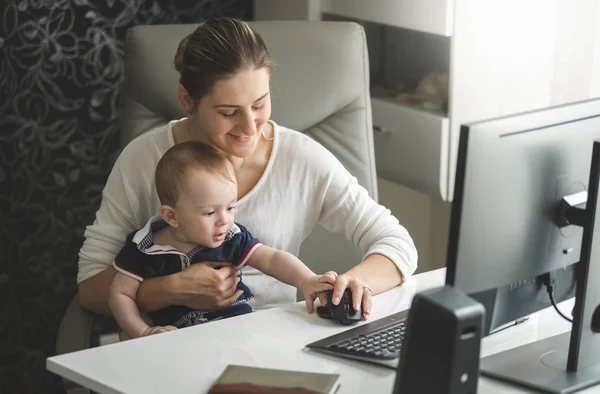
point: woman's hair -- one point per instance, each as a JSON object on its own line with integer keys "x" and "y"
{"x": 218, "y": 49}
{"x": 174, "y": 166}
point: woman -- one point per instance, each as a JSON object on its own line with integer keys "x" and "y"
{"x": 225, "y": 73}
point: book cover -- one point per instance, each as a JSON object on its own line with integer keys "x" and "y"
{"x": 244, "y": 379}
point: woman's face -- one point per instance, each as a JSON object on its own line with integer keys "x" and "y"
{"x": 233, "y": 115}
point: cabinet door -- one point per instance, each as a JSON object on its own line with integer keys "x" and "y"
{"x": 411, "y": 146}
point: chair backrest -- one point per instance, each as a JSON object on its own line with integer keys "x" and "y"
{"x": 319, "y": 86}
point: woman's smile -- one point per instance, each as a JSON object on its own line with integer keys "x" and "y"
{"x": 240, "y": 138}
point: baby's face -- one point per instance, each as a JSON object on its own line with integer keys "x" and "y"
{"x": 205, "y": 208}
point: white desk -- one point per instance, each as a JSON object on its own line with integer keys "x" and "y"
{"x": 188, "y": 360}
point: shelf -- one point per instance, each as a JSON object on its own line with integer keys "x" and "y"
{"x": 430, "y": 16}
{"x": 411, "y": 146}
{"x": 434, "y": 104}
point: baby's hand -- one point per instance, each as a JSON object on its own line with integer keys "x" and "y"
{"x": 315, "y": 284}
{"x": 157, "y": 330}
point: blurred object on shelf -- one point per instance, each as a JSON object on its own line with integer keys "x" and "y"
{"x": 431, "y": 93}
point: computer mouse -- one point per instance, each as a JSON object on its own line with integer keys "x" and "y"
{"x": 342, "y": 312}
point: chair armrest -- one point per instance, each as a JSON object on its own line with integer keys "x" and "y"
{"x": 75, "y": 329}
{"x": 73, "y": 335}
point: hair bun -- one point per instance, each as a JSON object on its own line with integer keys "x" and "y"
{"x": 178, "y": 60}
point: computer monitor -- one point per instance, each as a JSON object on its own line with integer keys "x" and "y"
{"x": 520, "y": 219}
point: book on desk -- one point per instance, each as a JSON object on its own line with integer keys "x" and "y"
{"x": 255, "y": 379}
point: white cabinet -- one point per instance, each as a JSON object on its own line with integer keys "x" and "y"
{"x": 412, "y": 151}
{"x": 430, "y": 16}
{"x": 500, "y": 57}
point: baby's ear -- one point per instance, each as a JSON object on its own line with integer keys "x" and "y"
{"x": 167, "y": 212}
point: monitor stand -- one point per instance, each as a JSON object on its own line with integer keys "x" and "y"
{"x": 541, "y": 366}
{"x": 568, "y": 362}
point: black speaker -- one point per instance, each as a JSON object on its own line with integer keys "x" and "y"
{"x": 440, "y": 352}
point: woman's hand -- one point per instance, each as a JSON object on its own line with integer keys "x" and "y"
{"x": 361, "y": 294}
{"x": 208, "y": 285}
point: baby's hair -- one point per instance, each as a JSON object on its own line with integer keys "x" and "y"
{"x": 173, "y": 168}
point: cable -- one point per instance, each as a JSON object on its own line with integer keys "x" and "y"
{"x": 551, "y": 294}
{"x": 548, "y": 280}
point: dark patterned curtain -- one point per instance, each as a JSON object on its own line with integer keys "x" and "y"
{"x": 61, "y": 72}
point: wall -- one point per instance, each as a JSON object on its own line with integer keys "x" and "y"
{"x": 61, "y": 73}
{"x": 425, "y": 217}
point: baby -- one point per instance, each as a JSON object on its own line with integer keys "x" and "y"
{"x": 197, "y": 189}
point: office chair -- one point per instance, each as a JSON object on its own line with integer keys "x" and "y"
{"x": 319, "y": 86}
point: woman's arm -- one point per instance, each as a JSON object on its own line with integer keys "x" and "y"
{"x": 347, "y": 208}
{"x": 390, "y": 253}
{"x": 93, "y": 292}
{"x": 380, "y": 267}
{"x": 154, "y": 294}
{"x": 105, "y": 237}
{"x": 200, "y": 286}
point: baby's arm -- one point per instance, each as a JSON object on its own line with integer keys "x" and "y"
{"x": 122, "y": 303}
{"x": 124, "y": 308}
{"x": 289, "y": 269}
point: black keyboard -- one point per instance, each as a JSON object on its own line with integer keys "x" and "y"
{"x": 379, "y": 341}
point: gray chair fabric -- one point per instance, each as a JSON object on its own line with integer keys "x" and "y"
{"x": 319, "y": 86}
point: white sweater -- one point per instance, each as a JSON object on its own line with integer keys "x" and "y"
{"x": 303, "y": 184}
